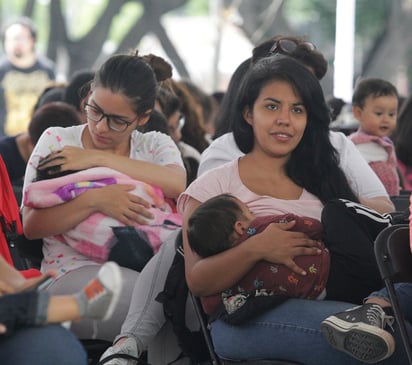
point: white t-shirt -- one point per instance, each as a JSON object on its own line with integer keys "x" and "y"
{"x": 361, "y": 177}
{"x": 226, "y": 179}
{"x": 152, "y": 147}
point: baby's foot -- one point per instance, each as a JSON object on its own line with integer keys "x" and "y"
{"x": 99, "y": 297}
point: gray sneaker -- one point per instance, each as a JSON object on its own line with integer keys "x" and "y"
{"x": 360, "y": 332}
{"x": 99, "y": 297}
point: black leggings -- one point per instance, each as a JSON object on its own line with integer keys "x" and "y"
{"x": 349, "y": 234}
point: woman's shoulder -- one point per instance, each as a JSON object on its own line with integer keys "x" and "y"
{"x": 56, "y": 137}
{"x": 150, "y": 138}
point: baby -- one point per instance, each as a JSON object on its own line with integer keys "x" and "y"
{"x": 223, "y": 222}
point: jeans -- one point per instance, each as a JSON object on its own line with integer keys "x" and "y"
{"x": 23, "y": 309}
{"x": 404, "y": 293}
{"x": 291, "y": 331}
{"x": 46, "y": 345}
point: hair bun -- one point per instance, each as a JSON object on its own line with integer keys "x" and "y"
{"x": 161, "y": 68}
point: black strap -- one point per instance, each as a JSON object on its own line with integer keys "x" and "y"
{"x": 121, "y": 356}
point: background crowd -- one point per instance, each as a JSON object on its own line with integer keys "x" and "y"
{"x": 134, "y": 116}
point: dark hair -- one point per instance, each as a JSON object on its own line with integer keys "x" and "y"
{"x": 402, "y": 135}
{"x": 53, "y": 114}
{"x": 207, "y": 102}
{"x": 309, "y": 57}
{"x": 78, "y": 87}
{"x": 53, "y": 92}
{"x": 24, "y": 21}
{"x": 335, "y": 105}
{"x": 193, "y": 131}
{"x": 212, "y": 223}
{"x": 168, "y": 100}
{"x": 372, "y": 87}
{"x": 135, "y": 77}
{"x": 157, "y": 122}
{"x": 224, "y": 118}
{"x": 314, "y": 164}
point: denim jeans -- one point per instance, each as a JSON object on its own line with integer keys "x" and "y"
{"x": 23, "y": 309}
{"x": 404, "y": 293}
{"x": 46, "y": 345}
{"x": 292, "y": 331}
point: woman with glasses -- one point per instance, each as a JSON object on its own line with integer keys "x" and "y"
{"x": 121, "y": 99}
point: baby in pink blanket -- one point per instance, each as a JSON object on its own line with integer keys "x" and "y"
{"x": 94, "y": 236}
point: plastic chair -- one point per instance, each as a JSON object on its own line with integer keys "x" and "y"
{"x": 394, "y": 259}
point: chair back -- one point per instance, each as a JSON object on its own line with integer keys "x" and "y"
{"x": 393, "y": 248}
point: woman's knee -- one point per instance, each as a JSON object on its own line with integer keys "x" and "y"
{"x": 48, "y": 345}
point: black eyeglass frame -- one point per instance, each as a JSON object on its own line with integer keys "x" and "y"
{"x": 288, "y": 46}
{"x": 108, "y": 117}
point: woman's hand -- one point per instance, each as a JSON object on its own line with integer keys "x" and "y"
{"x": 278, "y": 244}
{"x": 33, "y": 283}
{"x": 69, "y": 158}
{"x": 116, "y": 201}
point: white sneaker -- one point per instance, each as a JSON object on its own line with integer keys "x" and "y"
{"x": 124, "y": 353}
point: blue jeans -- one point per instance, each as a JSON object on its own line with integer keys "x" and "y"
{"x": 45, "y": 345}
{"x": 291, "y": 331}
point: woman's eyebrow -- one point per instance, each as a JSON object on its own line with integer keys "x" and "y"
{"x": 110, "y": 115}
{"x": 298, "y": 103}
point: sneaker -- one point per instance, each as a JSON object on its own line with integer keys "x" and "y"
{"x": 360, "y": 332}
{"x": 124, "y": 353}
{"x": 99, "y": 297}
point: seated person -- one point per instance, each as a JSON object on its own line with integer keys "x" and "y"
{"x": 223, "y": 222}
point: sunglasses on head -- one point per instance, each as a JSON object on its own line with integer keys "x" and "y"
{"x": 287, "y": 46}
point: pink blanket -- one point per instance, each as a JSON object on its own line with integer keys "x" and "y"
{"x": 94, "y": 236}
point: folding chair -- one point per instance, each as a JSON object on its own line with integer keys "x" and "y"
{"x": 394, "y": 259}
{"x": 204, "y": 326}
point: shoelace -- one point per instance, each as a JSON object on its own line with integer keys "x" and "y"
{"x": 379, "y": 318}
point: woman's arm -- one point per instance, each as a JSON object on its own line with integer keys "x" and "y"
{"x": 112, "y": 200}
{"x": 207, "y": 276}
{"x": 381, "y": 204}
{"x": 170, "y": 178}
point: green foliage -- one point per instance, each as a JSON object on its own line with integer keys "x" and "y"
{"x": 370, "y": 19}
{"x": 368, "y": 22}
{"x": 197, "y": 7}
{"x": 122, "y": 22}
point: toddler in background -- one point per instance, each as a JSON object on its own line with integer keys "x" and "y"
{"x": 375, "y": 106}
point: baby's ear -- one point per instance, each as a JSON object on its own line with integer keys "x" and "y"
{"x": 357, "y": 112}
{"x": 240, "y": 227}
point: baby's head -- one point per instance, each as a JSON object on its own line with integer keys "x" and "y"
{"x": 217, "y": 223}
{"x": 375, "y": 106}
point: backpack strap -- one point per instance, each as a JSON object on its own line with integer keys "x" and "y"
{"x": 174, "y": 297}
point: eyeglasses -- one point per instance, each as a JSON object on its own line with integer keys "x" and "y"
{"x": 288, "y": 46}
{"x": 114, "y": 123}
